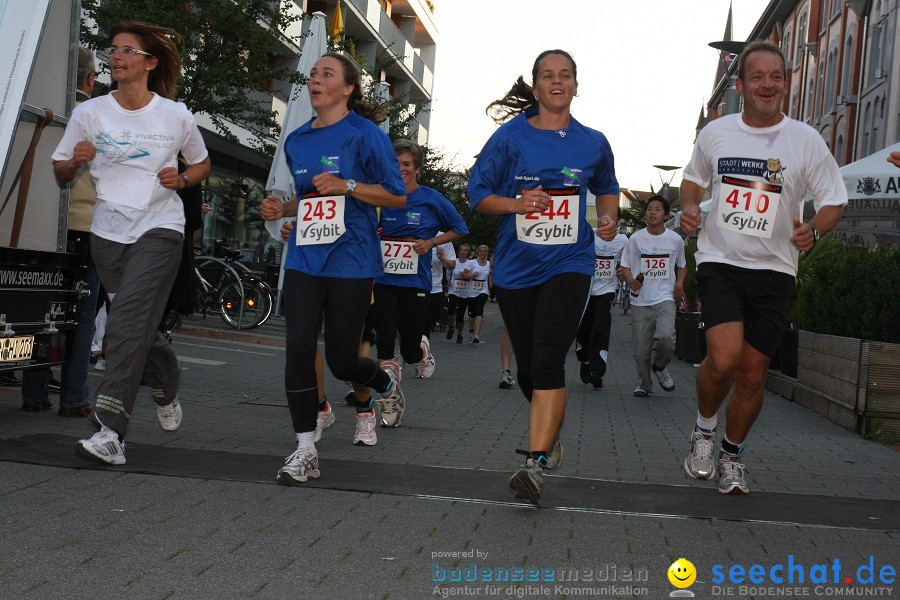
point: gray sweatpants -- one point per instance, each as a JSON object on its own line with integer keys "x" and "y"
{"x": 138, "y": 278}
{"x": 654, "y": 338}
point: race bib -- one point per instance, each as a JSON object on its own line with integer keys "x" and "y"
{"x": 558, "y": 224}
{"x": 399, "y": 257}
{"x": 320, "y": 220}
{"x": 126, "y": 186}
{"x": 604, "y": 267}
{"x": 460, "y": 285}
{"x": 478, "y": 286}
{"x": 655, "y": 266}
{"x": 748, "y": 207}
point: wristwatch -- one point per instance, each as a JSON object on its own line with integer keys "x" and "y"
{"x": 187, "y": 181}
{"x": 351, "y": 186}
{"x": 815, "y": 233}
{"x": 433, "y": 242}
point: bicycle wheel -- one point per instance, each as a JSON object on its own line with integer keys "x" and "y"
{"x": 169, "y": 321}
{"x": 257, "y": 305}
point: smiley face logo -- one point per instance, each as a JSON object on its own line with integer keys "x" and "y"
{"x": 682, "y": 573}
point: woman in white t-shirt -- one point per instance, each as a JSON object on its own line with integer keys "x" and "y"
{"x": 479, "y": 288}
{"x": 458, "y": 293}
{"x": 132, "y": 137}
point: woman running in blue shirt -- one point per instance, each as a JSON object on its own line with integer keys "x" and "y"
{"x": 403, "y": 290}
{"x": 343, "y": 167}
{"x": 535, "y": 173}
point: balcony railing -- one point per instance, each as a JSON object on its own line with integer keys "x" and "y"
{"x": 394, "y": 39}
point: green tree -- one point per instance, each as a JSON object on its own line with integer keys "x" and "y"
{"x": 233, "y": 53}
{"x": 439, "y": 172}
{"x": 633, "y": 217}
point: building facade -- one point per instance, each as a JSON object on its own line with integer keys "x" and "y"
{"x": 843, "y": 70}
{"x": 843, "y": 79}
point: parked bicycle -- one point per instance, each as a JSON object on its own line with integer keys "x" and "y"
{"x": 229, "y": 289}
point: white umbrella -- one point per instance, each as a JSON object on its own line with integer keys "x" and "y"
{"x": 299, "y": 110}
{"x": 873, "y": 189}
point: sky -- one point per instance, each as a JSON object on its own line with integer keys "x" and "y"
{"x": 644, "y": 71}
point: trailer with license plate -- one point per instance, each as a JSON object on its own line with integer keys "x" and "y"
{"x": 40, "y": 283}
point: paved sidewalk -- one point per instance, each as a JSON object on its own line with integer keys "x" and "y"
{"x": 197, "y": 513}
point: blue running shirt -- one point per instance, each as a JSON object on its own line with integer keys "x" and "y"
{"x": 353, "y": 148}
{"x": 519, "y": 156}
{"x": 426, "y": 213}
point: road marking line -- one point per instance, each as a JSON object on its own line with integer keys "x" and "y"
{"x": 201, "y": 361}
{"x": 223, "y": 348}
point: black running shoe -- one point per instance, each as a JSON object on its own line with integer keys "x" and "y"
{"x": 585, "y": 372}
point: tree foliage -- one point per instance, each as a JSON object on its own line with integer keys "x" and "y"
{"x": 233, "y": 53}
{"x": 439, "y": 172}
{"x": 847, "y": 291}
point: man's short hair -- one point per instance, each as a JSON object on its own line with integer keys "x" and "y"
{"x": 658, "y": 198}
{"x": 85, "y": 66}
{"x": 758, "y": 46}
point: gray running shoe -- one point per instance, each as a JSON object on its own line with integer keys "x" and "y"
{"x": 699, "y": 463}
{"x": 555, "y": 456}
{"x": 299, "y": 467}
{"x": 665, "y": 380}
{"x": 392, "y": 402}
{"x": 731, "y": 474}
{"x": 528, "y": 482}
{"x": 506, "y": 380}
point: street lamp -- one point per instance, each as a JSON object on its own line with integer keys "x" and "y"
{"x": 664, "y": 190}
{"x": 728, "y": 48}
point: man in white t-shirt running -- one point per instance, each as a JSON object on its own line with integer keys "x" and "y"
{"x": 758, "y": 165}
{"x": 653, "y": 266}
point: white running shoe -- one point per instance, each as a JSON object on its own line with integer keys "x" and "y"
{"x": 169, "y": 416}
{"x": 324, "y": 420}
{"x": 300, "y": 466}
{"x": 103, "y": 446}
{"x": 365, "y": 429}
{"x": 100, "y": 365}
{"x": 426, "y": 365}
{"x": 392, "y": 402}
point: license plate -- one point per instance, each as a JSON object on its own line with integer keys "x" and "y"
{"x": 16, "y": 349}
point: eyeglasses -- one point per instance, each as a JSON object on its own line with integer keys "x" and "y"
{"x": 126, "y": 50}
